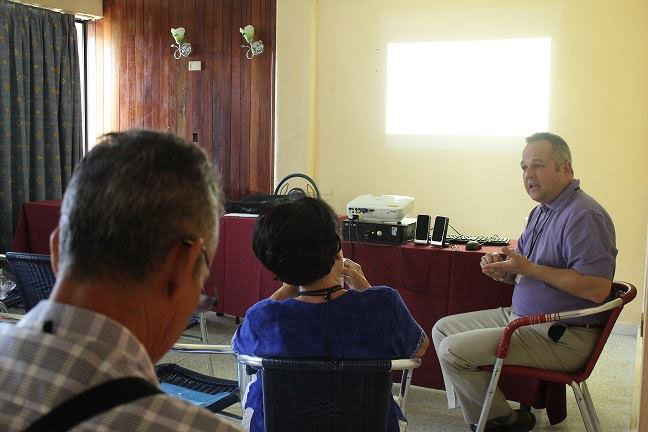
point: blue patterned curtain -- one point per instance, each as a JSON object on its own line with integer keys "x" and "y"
{"x": 40, "y": 108}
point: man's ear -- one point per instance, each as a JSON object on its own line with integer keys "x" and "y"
{"x": 567, "y": 168}
{"x": 178, "y": 267}
{"x": 54, "y": 250}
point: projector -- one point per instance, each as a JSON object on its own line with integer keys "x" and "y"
{"x": 380, "y": 208}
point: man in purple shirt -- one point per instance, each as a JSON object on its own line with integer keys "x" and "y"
{"x": 565, "y": 260}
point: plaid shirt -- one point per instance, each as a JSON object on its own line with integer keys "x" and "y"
{"x": 40, "y": 369}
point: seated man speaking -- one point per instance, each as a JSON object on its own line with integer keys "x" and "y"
{"x": 565, "y": 260}
{"x": 138, "y": 228}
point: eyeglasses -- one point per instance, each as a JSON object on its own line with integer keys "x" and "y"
{"x": 206, "y": 301}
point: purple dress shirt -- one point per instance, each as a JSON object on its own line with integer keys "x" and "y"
{"x": 572, "y": 232}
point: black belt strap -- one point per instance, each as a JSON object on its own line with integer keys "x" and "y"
{"x": 93, "y": 401}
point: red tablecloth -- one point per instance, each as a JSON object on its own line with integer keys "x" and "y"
{"x": 433, "y": 283}
{"x": 36, "y": 222}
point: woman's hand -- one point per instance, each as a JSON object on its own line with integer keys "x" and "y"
{"x": 353, "y": 275}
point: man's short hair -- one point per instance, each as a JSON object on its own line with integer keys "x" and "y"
{"x": 298, "y": 240}
{"x": 130, "y": 200}
{"x": 559, "y": 147}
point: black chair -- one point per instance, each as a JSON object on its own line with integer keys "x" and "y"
{"x": 33, "y": 276}
{"x": 13, "y": 300}
{"x": 12, "y": 297}
{"x": 207, "y": 391}
{"x": 329, "y": 395}
{"x": 35, "y": 279}
{"x": 326, "y": 396}
{"x": 212, "y": 393}
{"x": 320, "y": 395}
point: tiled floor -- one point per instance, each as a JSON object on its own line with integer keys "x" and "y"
{"x": 610, "y": 384}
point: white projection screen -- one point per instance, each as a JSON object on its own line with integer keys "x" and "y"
{"x": 457, "y": 87}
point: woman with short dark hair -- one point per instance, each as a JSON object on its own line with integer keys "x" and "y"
{"x": 312, "y": 315}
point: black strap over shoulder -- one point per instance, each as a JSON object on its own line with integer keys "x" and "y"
{"x": 93, "y": 401}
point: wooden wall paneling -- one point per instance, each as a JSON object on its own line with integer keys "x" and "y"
{"x": 233, "y": 188}
{"x": 220, "y": 71}
{"x": 121, "y": 38}
{"x": 195, "y": 95}
{"x": 246, "y": 83}
{"x": 226, "y": 86}
{"x": 139, "y": 57}
{"x": 150, "y": 35}
{"x": 206, "y": 88}
{"x": 216, "y": 82}
{"x": 189, "y": 97}
{"x": 131, "y": 67}
{"x": 266, "y": 105}
{"x": 229, "y": 102}
{"x": 180, "y": 68}
{"x": 161, "y": 99}
{"x": 173, "y": 84}
{"x": 253, "y": 159}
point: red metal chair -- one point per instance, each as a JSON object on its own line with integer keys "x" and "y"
{"x": 622, "y": 293}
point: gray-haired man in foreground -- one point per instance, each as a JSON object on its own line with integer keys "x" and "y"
{"x": 138, "y": 230}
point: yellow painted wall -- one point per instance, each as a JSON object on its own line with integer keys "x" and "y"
{"x": 295, "y": 88}
{"x": 85, "y": 7}
{"x": 598, "y": 103}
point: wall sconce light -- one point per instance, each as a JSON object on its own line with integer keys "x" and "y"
{"x": 255, "y": 48}
{"x": 182, "y": 49}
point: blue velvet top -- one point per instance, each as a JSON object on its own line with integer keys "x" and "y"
{"x": 370, "y": 324}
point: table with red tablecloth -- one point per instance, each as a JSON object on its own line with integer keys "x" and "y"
{"x": 36, "y": 221}
{"x": 433, "y": 282}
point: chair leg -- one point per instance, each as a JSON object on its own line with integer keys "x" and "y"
{"x": 590, "y": 407}
{"x": 204, "y": 338}
{"x": 490, "y": 393}
{"x": 582, "y": 406}
{"x": 403, "y": 393}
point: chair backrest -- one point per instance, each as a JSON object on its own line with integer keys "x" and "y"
{"x": 33, "y": 276}
{"x": 626, "y": 292}
{"x": 326, "y": 395}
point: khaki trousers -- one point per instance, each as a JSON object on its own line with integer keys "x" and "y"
{"x": 466, "y": 341}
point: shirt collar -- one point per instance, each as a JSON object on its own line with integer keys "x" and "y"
{"x": 77, "y": 323}
{"x": 564, "y": 196}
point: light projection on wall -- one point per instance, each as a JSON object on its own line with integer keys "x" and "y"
{"x": 467, "y": 94}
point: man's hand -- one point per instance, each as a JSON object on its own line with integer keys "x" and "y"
{"x": 353, "y": 275}
{"x": 489, "y": 258}
{"x": 514, "y": 263}
{"x": 593, "y": 288}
